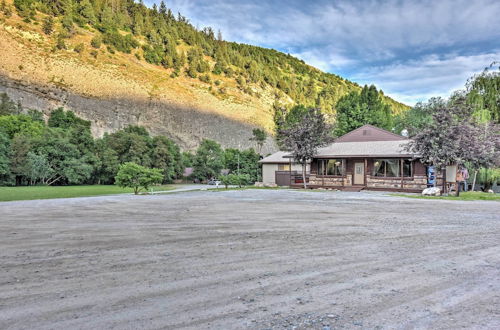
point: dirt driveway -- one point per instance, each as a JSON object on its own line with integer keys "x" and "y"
{"x": 261, "y": 259}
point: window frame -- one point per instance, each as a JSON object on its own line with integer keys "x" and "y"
{"x": 401, "y": 165}
{"x": 323, "y": 165}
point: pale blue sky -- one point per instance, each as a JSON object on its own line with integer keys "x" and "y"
{"x": 412, "y": 50}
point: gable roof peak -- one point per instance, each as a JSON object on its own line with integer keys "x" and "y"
{"x": 369, "y": 132}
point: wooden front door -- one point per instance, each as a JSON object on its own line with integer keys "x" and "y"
{"x": 359, "y": 173}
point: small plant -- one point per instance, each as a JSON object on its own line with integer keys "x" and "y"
{"x": 138, "y": 56}
{"x": 205, "y": 78}
{"x": 60, "y": 43}
{"x": 79, "y": 48}
{"x": 94, "y": 53}
{"x": 110, "y": 49}
{"x": 218, "y": 83}
{"x": 96, "y": 42}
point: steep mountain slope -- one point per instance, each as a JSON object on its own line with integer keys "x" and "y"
{"x": 166, "y": 76}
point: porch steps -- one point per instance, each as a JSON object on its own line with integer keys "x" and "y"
{"x": 354, "y": 188}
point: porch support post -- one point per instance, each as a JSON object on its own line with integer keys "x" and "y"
{"x": 290, "y": 171}
{"x": 366, "y": 170}
{"x": 401, "y": 161}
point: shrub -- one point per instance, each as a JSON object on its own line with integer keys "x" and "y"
{"x": 236, "y": 179}
{"x": 96, "y": 42}
{"x": 205, "y": 78}
{"x": 79, "y": 48}
{"x": 60, "y": 44}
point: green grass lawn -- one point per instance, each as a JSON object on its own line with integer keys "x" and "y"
{"x": 464, "y": 196}
{"x": 48, "y": 192}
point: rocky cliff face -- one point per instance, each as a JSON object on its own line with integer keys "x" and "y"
{"x": 114, "y": 91}
{"x": 186, "y": 126}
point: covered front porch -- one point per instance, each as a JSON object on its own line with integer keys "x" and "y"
{"x": 365, "y": 173}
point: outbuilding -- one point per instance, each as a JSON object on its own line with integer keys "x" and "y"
{"x": 278, "y": 169}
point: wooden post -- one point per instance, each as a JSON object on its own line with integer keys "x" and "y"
{"x": 290, "y": 171}
{"x": 366, "y": 170}
{"x": 401, "y": 162}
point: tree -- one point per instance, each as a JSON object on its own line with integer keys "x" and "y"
{"x": 48, "y": 25}
{"x": 87, "y": 12}
{"x": 7, "y": 106}
{"x": 453, "y": 136}
{"x": 5, "y": 151}
{"x": 418, "y": 117}
{"x": 208, "y": 160}
{"x": 166, "y": 156}
{"x": 303, "y": 138}
{"x": 483, "y": 94}
{"x": 357, "y": 109}
{"x": 259, "y": 136}
{"x": 137, "y": 177}
{"x": 38, "y": 168}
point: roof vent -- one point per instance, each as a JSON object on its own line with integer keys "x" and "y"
{"x": 366, "y": 132}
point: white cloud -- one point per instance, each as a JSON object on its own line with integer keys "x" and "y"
{"x": 432, "y": 75}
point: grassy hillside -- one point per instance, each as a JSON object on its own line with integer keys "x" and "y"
{"x": 122, "y": 49}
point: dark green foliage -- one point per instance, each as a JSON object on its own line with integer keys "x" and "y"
{"x": 357, "y": 109}
{"x": 86, "y": 12}
{"x": 64, "y": 151}
{"x": 7, "y": 106}
{"x": 243, "y": 162}
{"x": 236, "y": 180}
{"x": 5, "y": 173}
{"x": 123, "y": 44}
{"x": 167, "y": 157}
{"x": 259, "y": 136}
{"x": 66, "y": 119}
{"x": 48, "y": 25}
{"x": 418, "y": 117}
{"x": 209, "y": 160}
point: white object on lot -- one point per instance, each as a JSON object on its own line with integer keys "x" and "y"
{"x": 434, "y": 191}
{"x": 490, "y": 191}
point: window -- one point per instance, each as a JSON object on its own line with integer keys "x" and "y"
{"x": 331, "y": 167}
{"x": 386, "y": 167}
{"x": 283, "y": 167}
{"x": 407, "y": 168}
{"x": 392, "y": 168}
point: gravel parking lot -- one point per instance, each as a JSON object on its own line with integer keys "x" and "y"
{"x": 260, "y": 259}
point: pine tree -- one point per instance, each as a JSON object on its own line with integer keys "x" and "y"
{"x": 87, "y": 12}
{"x": 48, "y": 25}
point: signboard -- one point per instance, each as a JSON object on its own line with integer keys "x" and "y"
{"x": 451, "y": 173}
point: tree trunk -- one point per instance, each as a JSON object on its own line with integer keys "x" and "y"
{"x": 474, "y": 181}
{"x": 304, "y": 175}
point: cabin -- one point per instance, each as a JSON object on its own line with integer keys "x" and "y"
{"x": 367, "y": 158}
